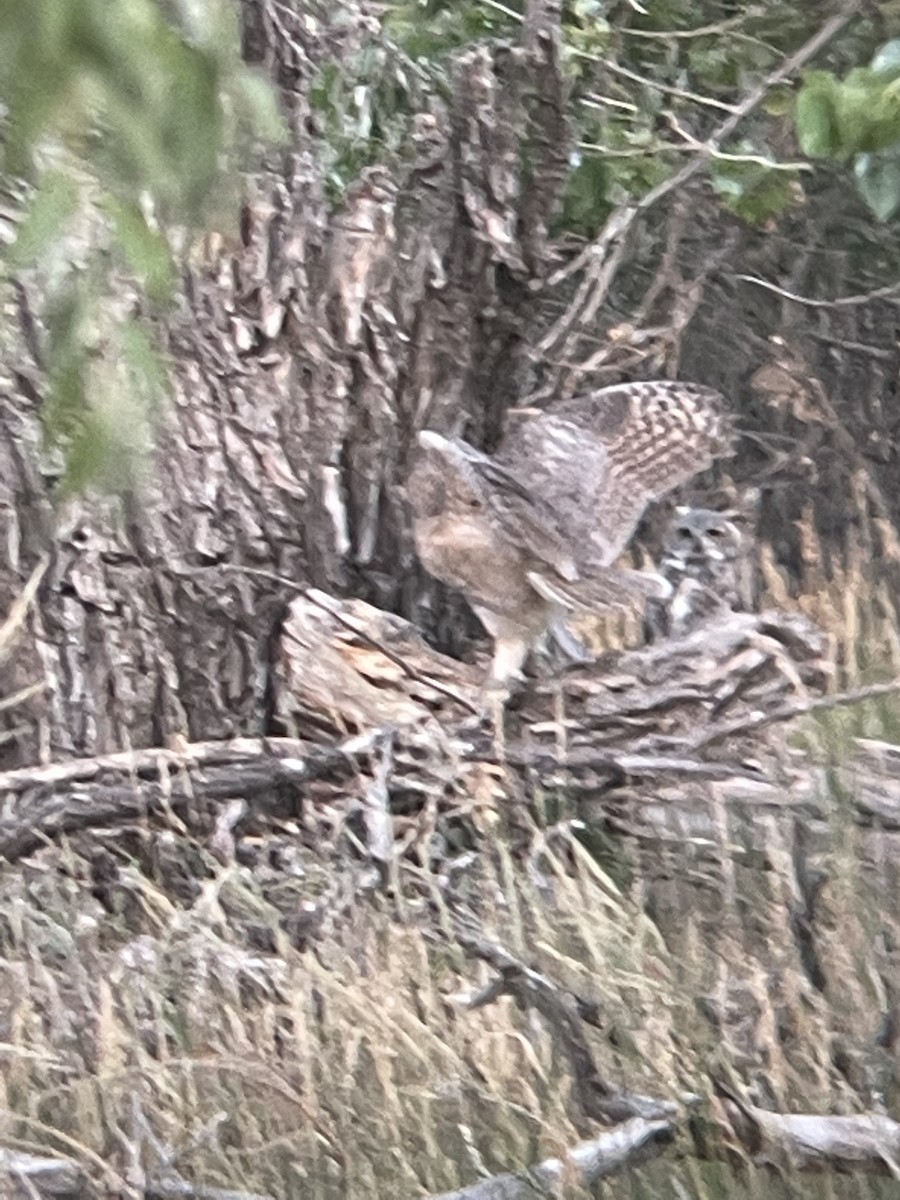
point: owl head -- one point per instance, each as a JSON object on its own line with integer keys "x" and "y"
{"x": 433, "y": 488}
{"x": 701, "y": 542}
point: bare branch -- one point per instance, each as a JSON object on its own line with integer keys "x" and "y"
{"x": 40, "y": 1176}
{"x": 667, "y": 89}
{"x": 13, "y": 622}
{"x": 807, "y": 1142}
{"x": 603, "y": 256}
{"x": 181, "y": 1189}
{"x": 564, "y": 1013}
{"x": 45, "y": 802}
{"x": 714, "y": 30}
{"x": 840, "y": 301}
{"x": 787, "y": 712}
{"x": 634, "y": 1142}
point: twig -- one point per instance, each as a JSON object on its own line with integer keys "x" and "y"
{"x": 787, "y": 712}
{"x": 147, "y": 764}
{"x": 564, "y": 1013}
{"x": 43, "y": 1176}
{"x": 20, "y": 607}
{"x": 666, "y": 88}
{"x": 14, "y": 699}
{"x": 611, "y": 240}
{"x": 692, "y": 144}
{"x": 717, "y": 29}
{"x": 180, "y": 1189}
{"x": 634, "y": 1142}
{"x": 752, "y": 101}
{"x": 95, "y": 792}
{"x": 691, "y": 148}
{"x": 840, "y": 302}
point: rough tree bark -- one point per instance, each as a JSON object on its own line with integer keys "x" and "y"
{"x": 309, "y": 352}
{"x": 306, "y": 358}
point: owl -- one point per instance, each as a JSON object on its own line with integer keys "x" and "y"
{"x": 706, "y": 562}
{"x": 533, "y": 532}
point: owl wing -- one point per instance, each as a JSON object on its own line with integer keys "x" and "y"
{"x": 606, "y": 589}
{"x": 600, "y": 459}
{"x": 515, "y": 512}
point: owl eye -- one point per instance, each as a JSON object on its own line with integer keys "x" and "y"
{"x": 683, "y": 532}
{"x": 716, "y": 532}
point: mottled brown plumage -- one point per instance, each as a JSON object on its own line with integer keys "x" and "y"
{"x": 527, "y": 534}
{"x": 706, "y": 561}
{"x": 600, "y": 459}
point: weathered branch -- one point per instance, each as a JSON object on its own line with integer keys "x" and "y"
{"x": 868, "y": 1142}
{"x": 45, "y": 802}
{"x": 563, "y": 1012}
{"x": 348, "y": 667}
{"x": 64, "y": 1178}
{"x": 181, "y": 1189}
{"x": 634, "y": 1142}
{"x": 38, "y": 1175}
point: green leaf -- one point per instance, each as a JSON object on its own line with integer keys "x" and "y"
{"x": 753, "y": 191}
{"x": 46, "y": 214}
{"x": 816, "y": 117}
{"x": 586, "y": 204}
{"x": 868, "y": 112}
{"x": 878, "y": 181}
{"x": 778, "y": 102}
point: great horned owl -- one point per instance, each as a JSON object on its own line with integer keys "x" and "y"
{"x": 706, "y": 561}
{"x": 535, "y": 530}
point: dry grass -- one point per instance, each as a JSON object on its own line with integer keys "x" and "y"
{"x": 354, "y": 1069}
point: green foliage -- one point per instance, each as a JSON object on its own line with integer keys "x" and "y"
{"x": 587, "y": 202}
{"x": 124, "y": 124}
{"x": 753, "y": 188}
{"x": 363, "y": 108}
{"x": 127, "y": 120}
{"x": 816, "y": 116}
{"x": 432, "y": 29}
{"x": 858, "y": 119}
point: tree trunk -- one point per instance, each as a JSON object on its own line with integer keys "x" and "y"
{"x": 306, "y": 358}
{"x": 308, "y": 354}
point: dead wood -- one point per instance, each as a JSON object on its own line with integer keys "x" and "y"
{"x": 28, "y": 1175}
{"x": 181, "y": 1189}
{"x": 564, "y": 1012}
{"x": 634, "y": 1142}
{"x": 618, "y": 733}
{"x": 369, "y": 704}
{"x": 46, "y": 802}
{"x": 868, "y": 1142}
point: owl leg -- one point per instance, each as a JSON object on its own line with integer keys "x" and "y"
{"x": 506, "y": 667}
{"x": 509, "y": 658}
